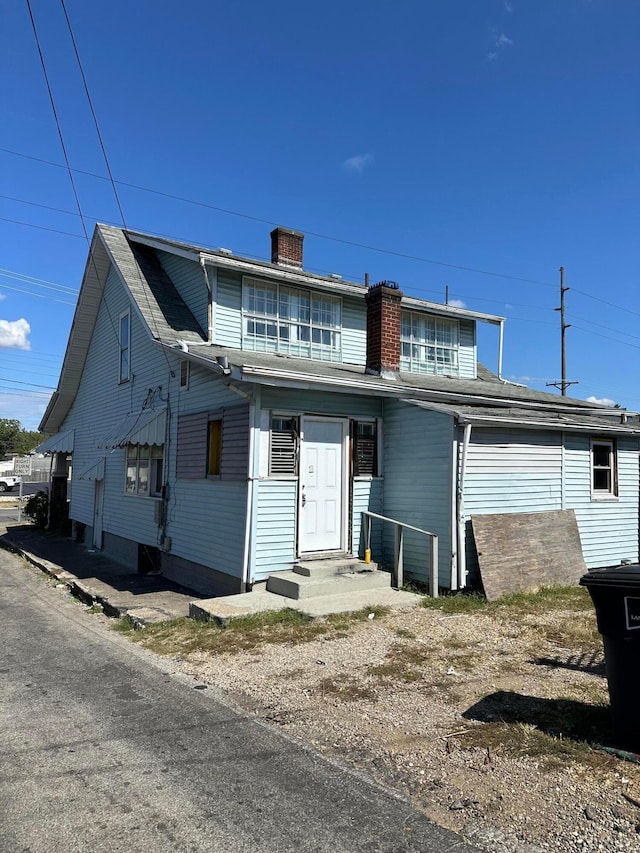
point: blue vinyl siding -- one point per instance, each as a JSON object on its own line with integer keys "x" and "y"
{"x": 354, "y": 331}
{"x": 418, "y": 485}
{"x": 275, "y": 545}
{"x": 206, "y": 519}
{"x": 513, "y": 471}
{"x": 608, "y": 528}
{"x": 188, "y": 279}
{"x": 367, "y": 495}
{"x": 523, "y": 471}
{"x": 227, "y": 314}
{"x": 468, "y": 356}
{"x": 321, "y": 403}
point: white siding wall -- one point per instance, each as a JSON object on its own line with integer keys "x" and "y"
{"x": 418, "y": 485}
{"x": 520, "y": 471}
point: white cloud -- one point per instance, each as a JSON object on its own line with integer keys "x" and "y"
{"x": 358, "y": 163}
{"x": 14, "y": 334}
{"x": 491, "y": 57}
{"x": 508, "y": 7}
{"x": 3, "y": 296}
{"x": 502, "y": 39}
{"x": 604, "y": 401}
{"x": 456, "y": 303}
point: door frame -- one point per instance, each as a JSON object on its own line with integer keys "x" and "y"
{"x": 344, "y": 491}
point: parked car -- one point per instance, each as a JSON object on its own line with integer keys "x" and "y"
{"x": 8, "y": 483}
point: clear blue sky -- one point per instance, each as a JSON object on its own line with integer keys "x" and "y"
{"x": 481, "y": 134}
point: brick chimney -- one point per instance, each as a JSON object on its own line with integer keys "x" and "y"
{"x": 383, "y": 329}
{"x": 286, "y": 247}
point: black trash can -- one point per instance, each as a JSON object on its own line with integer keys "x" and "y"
{"x": 615, "y": 593}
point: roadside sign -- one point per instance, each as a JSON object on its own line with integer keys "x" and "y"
{"x": 22, "y": 466}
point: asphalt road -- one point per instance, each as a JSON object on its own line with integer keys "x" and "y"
{"x": 102, "y": 748}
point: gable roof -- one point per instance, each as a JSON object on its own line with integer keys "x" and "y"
{"x": 153, "y": 295}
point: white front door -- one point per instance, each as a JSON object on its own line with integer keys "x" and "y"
{"x": 322, "y": 485}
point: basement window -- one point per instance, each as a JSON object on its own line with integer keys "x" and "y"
{"x": 604, "y": 479}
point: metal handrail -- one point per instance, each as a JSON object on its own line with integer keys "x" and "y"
{"x": 398, "y": 556}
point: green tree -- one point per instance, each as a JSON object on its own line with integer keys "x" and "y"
{"x": 9, "y": 430}
{"x": 15, "y": 439}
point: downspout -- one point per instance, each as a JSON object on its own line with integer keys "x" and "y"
{"x": 248, "y": 524}
{"x": 462, "y": 557}
{"x": 203, "y": 265}
{"x": 500, "y": 347}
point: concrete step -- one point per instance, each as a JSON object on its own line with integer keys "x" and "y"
{"x": 297, "y": 586}
{"x": 332, "y": 567}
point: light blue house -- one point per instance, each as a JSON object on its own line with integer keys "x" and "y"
{"x": 219, "y": 418}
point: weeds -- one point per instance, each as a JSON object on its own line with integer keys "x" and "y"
{"x": 289, "y": 627}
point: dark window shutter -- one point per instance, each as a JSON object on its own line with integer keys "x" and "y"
{"x": 234, "y": 463}
{"x": 283, "y": 446}
{"x": 191, "y": 454}
{"x": 364, "y": 449}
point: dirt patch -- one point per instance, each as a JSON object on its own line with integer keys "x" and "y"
{"x": 489, "y": 721}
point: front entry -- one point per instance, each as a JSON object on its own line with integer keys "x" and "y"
{"x": 322, "y": 503}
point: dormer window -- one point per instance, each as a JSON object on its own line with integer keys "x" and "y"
{"x": 429, "y": 344}
{"x": 291, "y": 321}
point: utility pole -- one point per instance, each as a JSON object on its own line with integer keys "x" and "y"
{"x": 564, "y": 383}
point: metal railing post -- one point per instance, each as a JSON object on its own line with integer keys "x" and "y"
{"x": 400, "y": 563}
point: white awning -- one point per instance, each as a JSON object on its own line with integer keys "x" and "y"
{"x": 145, "y": 427}
{"x": 95, "y": 471}
{"x": 61, "y": 442}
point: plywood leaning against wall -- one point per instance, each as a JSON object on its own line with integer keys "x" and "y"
{"x": 521, "y": 552}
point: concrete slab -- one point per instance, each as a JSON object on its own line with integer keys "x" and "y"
{"x": 231, "y": 606}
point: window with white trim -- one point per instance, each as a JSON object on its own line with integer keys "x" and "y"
{"x": 124, "y": 339}
{"x": 145, "y": 464}
{"x": 429, "y": 344}
{"x": 283, "y": 446}
{"x": 604, "y": 479}
{"x": 290, "y": 320}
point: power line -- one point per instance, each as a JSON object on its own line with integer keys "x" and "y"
{"x": 271, "y": 222}
{"x": 30, "y": 384}
{"x": 32, "y": 278}
{"x": 39, "y": 295}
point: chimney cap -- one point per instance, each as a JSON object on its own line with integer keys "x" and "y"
{"x": 393, "y": 285}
